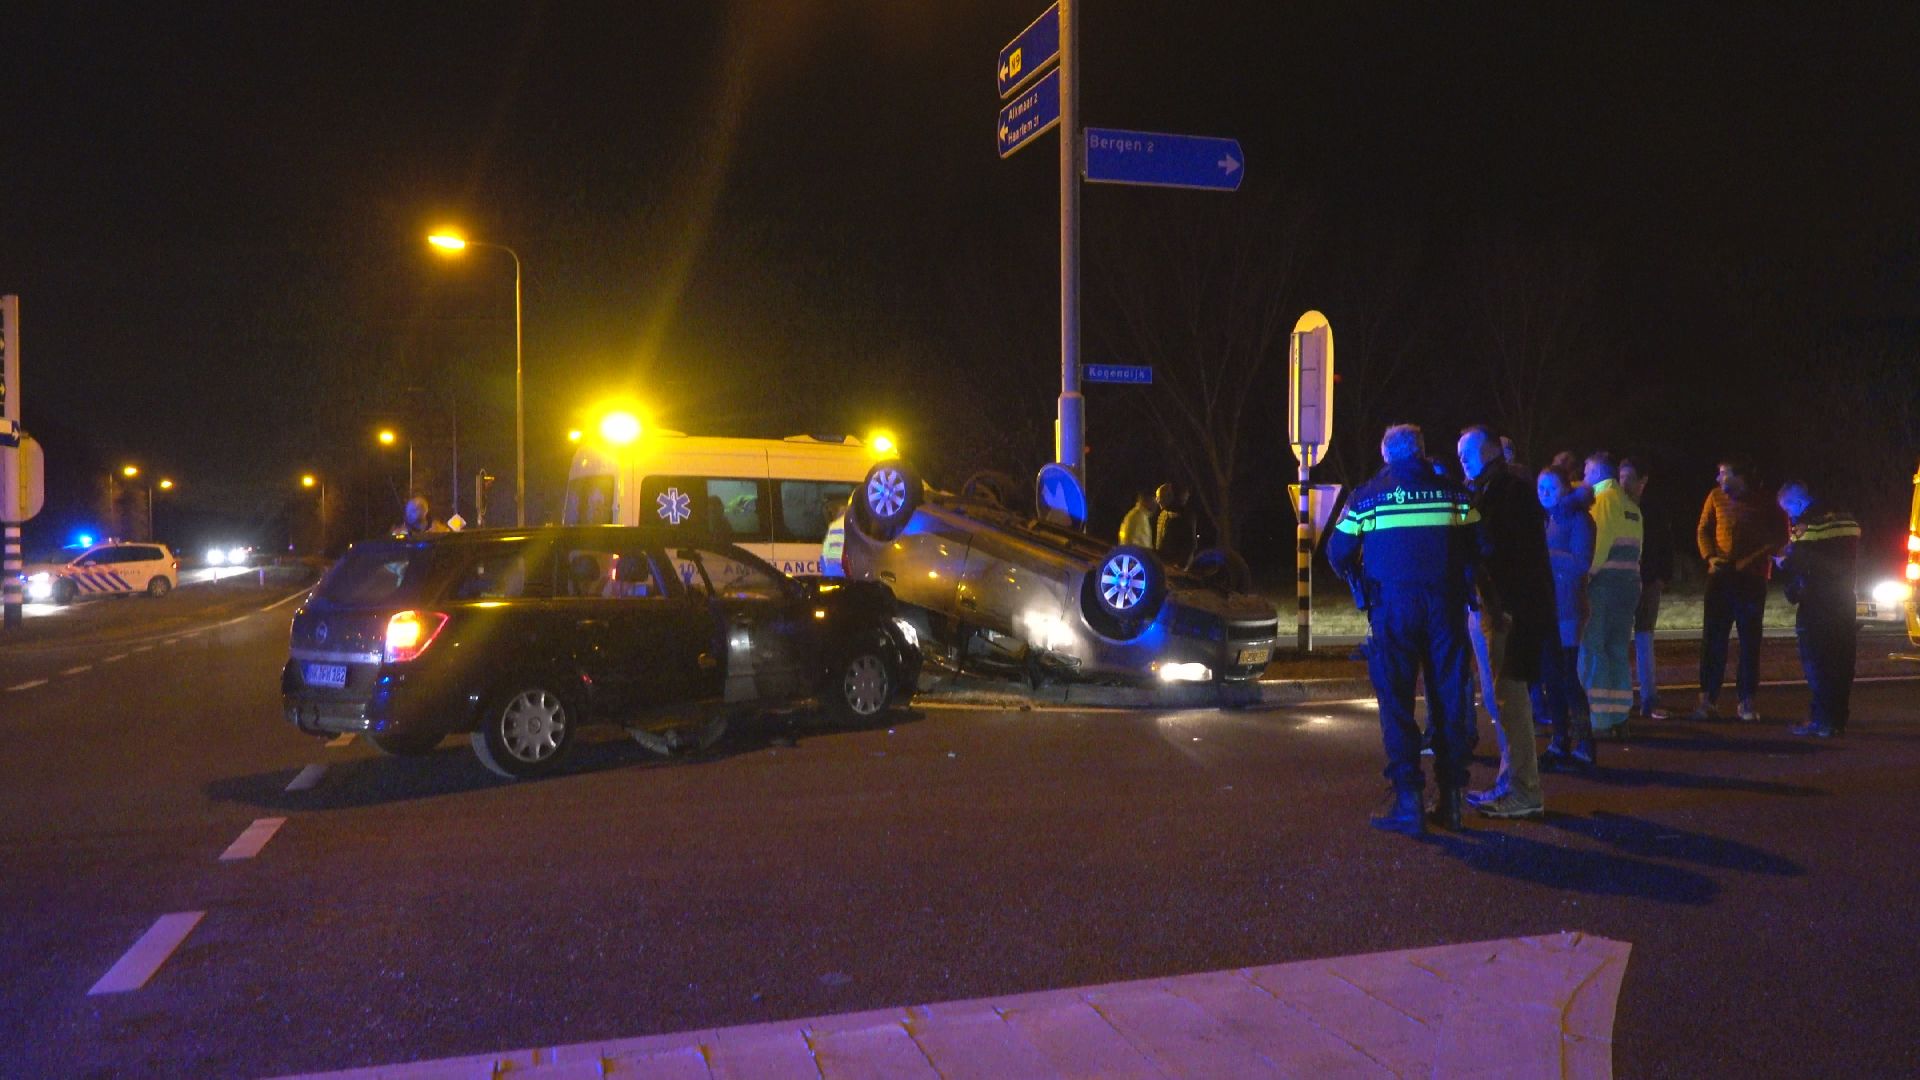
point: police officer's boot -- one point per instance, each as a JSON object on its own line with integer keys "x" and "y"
{"x": 1405, "y": 812}
{"x": 1584, "y": 757}
{"x": 1446, "y": 809}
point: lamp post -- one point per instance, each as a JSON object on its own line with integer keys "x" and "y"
{"x": 453, "y": 243}
{"x": 388, "y": 437}
{"x": 165, "y": 485}
{"x": 311, "y": 481}
{"x": 113, "y": 505}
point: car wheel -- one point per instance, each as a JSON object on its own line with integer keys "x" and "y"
{"x": 159, "y": 587}
{"x": 1123, "y": 592}
{"x": 524, "y": 731}
{"x": 64, "y": 592}
{"x": 885, "y": 500}
{"x": 861, "y": 686}
{"x": 403, "y": 745}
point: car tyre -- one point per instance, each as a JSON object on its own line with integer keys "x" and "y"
{"x": 397, "y": 744}
{"x": 862, "y": 685}
{"x": 886, "y": 499}
{"x": 525, "y": 731}
{"x": 64, "y": 591}
{"x": 159, "y": 586}
{"x": 1123, "y": 592}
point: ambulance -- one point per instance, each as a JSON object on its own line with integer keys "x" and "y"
{"x": 774, "y": 497}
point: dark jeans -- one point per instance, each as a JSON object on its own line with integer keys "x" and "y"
{"x": 1415, "y": 627}
{"x": 1826, "y": 652}
{"x": 1734, "y": 601}
{"x": 1560, "y": 689}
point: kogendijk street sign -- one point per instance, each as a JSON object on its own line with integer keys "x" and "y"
{"x": 1160, "y": 160}
{"x": 1138, "y": 374}
{"x": 1028, "y": 54}
{"x": 1030, "y": 115}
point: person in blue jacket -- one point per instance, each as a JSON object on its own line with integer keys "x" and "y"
{"x": 1407, "y": 543}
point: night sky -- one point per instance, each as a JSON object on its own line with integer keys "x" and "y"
{"x": 762, "y": 218}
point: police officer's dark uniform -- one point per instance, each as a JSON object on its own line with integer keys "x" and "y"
{"x": 1819, "y": 567}
{"x": 1407, "y": 536}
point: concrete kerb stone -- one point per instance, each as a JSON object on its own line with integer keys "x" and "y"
{"x": 1263, "y": 694}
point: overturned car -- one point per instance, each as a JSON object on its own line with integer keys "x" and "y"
{"x": 990, "y": 585}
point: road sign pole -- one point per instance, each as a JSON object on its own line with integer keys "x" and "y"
{"x": 15, "y": 469}
{"x": 1072, "y": 436}
{"x": 1303, "y": 557}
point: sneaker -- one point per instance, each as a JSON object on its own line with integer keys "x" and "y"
{"x": 1426, "y": 743}
{"x": 1748, "y": 713}
{"x": 1404, "y": 812}
{"x": 1654, "y": 712}
{"x": 1555, "y": 757}
{"x": 1492, "y": 794}
{"x": 1812, "y": 729}
{"x": 1704, "y": 711}
{"x": 1511, "y": 805}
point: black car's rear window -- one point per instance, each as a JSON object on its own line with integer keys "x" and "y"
{"x": 377, "y": 576}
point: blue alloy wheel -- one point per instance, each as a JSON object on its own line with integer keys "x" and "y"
{"x": 1123, "y": 582}
{"x": 886, "y": 492}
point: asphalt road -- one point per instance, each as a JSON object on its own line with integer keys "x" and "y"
{"x": 412, "y": 909}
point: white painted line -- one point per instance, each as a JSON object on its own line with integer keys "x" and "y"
{"x": 286, "y": 599}
{"x": 340, "y": 740}
{"x": 253, "y": 839}
{"x": 78, "y": 670}
{"x": 307, "y": 777}
{"x": 28, "y": 685}
{"x": 144, "y": 648}
{"x": 170, "y": 641}
{"x": 115, "y": 658}
{"x": 138, "y": 965}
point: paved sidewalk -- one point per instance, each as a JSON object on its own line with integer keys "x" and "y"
{"x": 1522, "y": 1007}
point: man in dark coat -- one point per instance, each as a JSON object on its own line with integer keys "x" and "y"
{"x": 1819, "y": 563}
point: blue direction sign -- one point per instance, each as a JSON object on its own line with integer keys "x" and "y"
{"x": 1160, "y": 160}
{"x": 1030, "y": 53}
{"x": 1031, "y": 115}
{"x": 1138, "y": 374}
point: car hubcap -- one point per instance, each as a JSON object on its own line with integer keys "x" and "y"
{"x": 1123, "y": 581}
{"x": 533, "y": 725}
{"x": 866, "y": 685}
{"x": 886, "y": 493}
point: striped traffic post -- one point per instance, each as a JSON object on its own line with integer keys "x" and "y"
{"x": 1309, "y": 429}
{"x": 1303, "y": 554}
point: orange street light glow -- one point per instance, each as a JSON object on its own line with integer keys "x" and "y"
{"x": 387, "y": 438}
{"x": 166, "y": 485}
{"x": 308, "y": 480}
{"x": 129, "y": 470}
{"x": 574, "y": 435}
{"x": 447, "y": 241}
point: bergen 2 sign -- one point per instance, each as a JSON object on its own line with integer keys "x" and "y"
{"x": 1156, "y": 159}
{"x": 1031, "y": 115}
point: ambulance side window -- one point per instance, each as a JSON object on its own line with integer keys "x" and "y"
{"x": 807, "y": 507}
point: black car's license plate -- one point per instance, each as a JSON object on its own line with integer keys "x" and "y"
{"x": 1258, "y": 655}
{"x": 333, "y": 675}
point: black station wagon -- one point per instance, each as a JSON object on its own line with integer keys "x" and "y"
{"x": 520, "y": 636}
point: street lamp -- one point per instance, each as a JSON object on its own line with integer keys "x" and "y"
{"x": 387, "y": 438}
{"x": 453, "y": 244}
{"x": 113, "y": 506}
{"x": 164, "y": 485}
{"x": 311, "y": 481}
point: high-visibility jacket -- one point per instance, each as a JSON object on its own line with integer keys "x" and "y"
{"x": 1137, "y": 528}
{"x": 1819, "y": 563}
{"x": 1618, "y": 532}
{"x": 1416, "y": 528}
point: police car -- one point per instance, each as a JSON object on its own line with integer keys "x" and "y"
{"x": 112, "y": 568}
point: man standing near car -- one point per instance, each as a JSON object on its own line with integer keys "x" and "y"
{"x": 1136, "y": 529}
{"x": 1517, "y": 614}
{"x": 1740, "y": 529}
{"x": 1819, "y": 562}
{"x": 1613, "y": 594}
{"x": 1407, "y": 538}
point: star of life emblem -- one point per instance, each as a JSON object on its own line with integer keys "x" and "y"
{"x": 674, "y": 506}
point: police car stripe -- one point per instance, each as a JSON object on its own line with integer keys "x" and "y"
{"x": 120, "y": 581}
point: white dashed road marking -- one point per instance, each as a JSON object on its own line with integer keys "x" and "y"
{"x": 114, "y": 658}
{"x": 144, "y": 648}
{"x": 339, "y": 741}
{"x": 170, "y": 641}
{"x": 307, "y": 777}
{"x": 253, "y": 839}
{"x": 138, "y": 965}
{"x": 28, "y": 685}
{"x": 78, "y": 670}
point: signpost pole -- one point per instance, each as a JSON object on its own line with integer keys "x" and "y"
{"x": 14, "y": 469}
{"x": 1303, "y": 559}
{"x": 1072, "y": 435}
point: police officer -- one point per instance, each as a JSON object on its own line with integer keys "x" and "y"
{"x": 1408, "y": 537}
{"x": 1819, "y": 562}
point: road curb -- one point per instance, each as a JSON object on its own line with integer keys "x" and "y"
{"x": 968, "y": 690}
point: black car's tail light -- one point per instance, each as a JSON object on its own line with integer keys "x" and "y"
{"x": 410, "y": 632}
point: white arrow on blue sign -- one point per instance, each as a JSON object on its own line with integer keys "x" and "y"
{"x": 1138, "y": 374}
{"x": 1031, "y": 115}
{"x": 1027, "y": 55}
{"x": 1156, "y": 159}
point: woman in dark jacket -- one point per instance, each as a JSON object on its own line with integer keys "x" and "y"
{"x": 1570, "y": 549}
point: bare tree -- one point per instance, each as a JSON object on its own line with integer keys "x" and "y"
{"x": 1536, "y": 320}
{"x": 1204, "y": 290}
